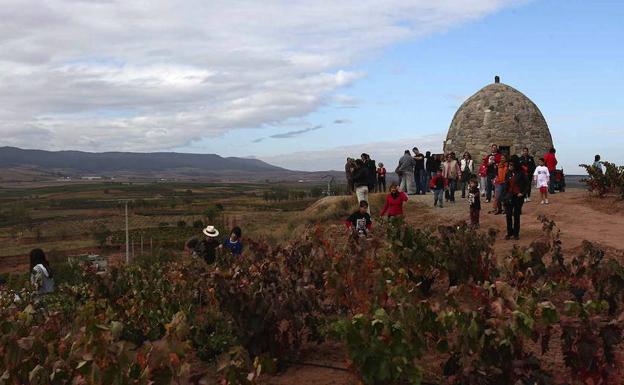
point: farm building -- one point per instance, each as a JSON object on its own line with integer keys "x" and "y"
{"x": 498, "y": 114}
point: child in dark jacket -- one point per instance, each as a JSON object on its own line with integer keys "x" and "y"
{"x": 474, "y": 199}
{"x": 438, "y": 184}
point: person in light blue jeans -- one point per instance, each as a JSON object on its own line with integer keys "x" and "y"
{"x": 438, "y": 184}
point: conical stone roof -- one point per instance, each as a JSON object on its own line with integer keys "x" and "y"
{"x": 498, "y": 114}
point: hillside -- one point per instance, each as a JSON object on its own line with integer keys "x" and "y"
{"x": 105, "y": 162}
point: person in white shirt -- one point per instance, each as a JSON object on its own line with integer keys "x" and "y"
{"x": 41, "y": 276}
{"x": 467, "y": 167}
{"x": 541, "y": 176}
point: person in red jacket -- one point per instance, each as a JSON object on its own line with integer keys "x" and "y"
{"x": 551, "y": 163}
{"x": 438, "y": 184}
{"x": 394, "y": 202}
{"x": 381, "y": 178}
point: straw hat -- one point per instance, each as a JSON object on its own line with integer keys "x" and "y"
{"x": 210, "y": 231}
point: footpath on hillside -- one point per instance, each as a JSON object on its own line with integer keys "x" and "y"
{"x": 571, "y": 211}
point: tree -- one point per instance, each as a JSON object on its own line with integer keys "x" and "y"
{"x": 100, "y": 234}
{"x": 212, "y": 212}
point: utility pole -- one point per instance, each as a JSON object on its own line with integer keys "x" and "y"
{"x": 127, "y": 237}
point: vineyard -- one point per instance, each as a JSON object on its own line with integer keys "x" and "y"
{"x": 396, "y": 302}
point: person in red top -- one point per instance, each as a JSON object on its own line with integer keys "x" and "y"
{"x": 438, "y": 184}
{"x": 394, "y": 202}
{"x": 551, "y": 163}
{"x": 381, "y": 177}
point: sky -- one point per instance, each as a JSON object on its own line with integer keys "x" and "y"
{"x": 302, "y": 84}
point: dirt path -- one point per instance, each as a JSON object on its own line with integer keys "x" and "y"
{"x": 570, "y": 210}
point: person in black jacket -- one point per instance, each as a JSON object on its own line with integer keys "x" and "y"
{"x": 371, "y": 168}
{"x": 515, "y": 189}
{"x": 429, "y": 171}
{"x": 361, "y": 181}
{"x": 419, "y": 171}
{"x": 527, "y": 162}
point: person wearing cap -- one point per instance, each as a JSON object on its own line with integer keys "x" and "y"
{"x": 233, "y": 242}
{"x": 207, "y": 247}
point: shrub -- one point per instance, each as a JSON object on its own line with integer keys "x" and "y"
{"x": 609, "y": 182}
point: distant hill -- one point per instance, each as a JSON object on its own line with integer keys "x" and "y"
{"x": 113, "y": 162}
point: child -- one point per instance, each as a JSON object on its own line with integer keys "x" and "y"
{"x": 541, "y": 176}
{"x": 475, "y": 203}
{"x": 360, "y": 221}
{"x": 438, "y": 184}
{"x": 394, "y": 202}
{"x": 483, "y": 178}
{"x": 233, "y": 242}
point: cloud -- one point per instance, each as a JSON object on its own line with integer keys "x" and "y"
{"x": 292, "y": 134}
{"x": 346, "y": 101}
{"x": 342, "y": 121}
{"x": 154, "y": 75}
{"x": 258, "y": 140}
{"x": 387, "y": 152}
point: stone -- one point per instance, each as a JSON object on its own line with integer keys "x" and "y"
{"x": 498, "y": 114}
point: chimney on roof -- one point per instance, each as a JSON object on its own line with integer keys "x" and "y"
{"x": 497, "y": 79}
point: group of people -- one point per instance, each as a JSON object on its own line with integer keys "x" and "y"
{"x": 503, "y": 180}
{"x": 208, "y": 247}
{"x": 42, "y": 277}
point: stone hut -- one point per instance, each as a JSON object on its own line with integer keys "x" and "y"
{"x": 498, "y": 114}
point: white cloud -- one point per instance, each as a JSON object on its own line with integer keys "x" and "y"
{"x": 387, "y": 152}
{"x": 152, "y": 74}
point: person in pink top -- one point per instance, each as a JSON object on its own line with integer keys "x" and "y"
{"x": 394, "y": 202}
{"x": 551, "y": 163}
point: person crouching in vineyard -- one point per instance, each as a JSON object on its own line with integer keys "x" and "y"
{"x": 394, "y": 202}
{"x": 359, "y": 223}
{"x": 474, "y": 200}
{"x": 233, "y": 243}
{"x": 205, "y": 248}
{"x": 41, "y": 276}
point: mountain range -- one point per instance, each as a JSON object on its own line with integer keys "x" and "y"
{"x": 18, "y": 164}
